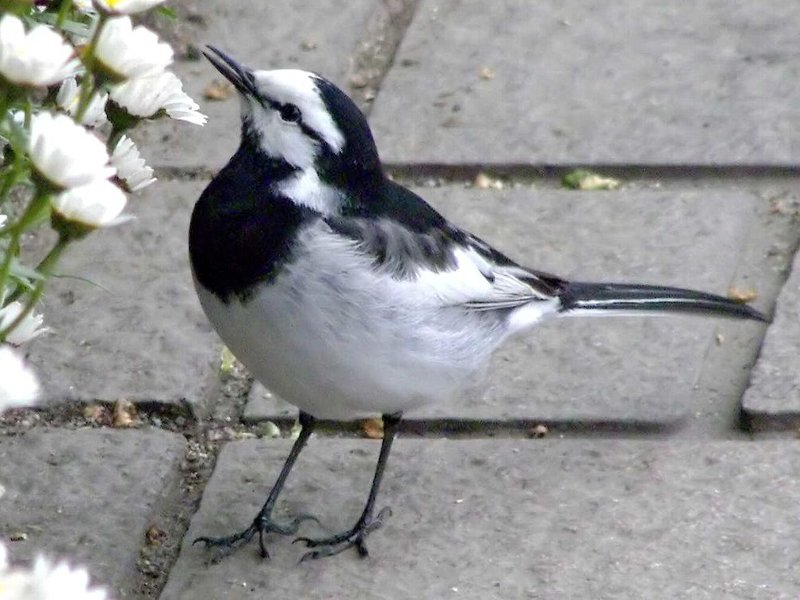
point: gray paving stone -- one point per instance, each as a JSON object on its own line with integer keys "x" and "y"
{"x": 514, "y": 519}
{"x": 762, "y": 265}
{"x": 773, "y": 398}
{"x": 142, "y": 335}
{"x": 626, "y": 370}
{"x": 612, "y": 83}
{"x": 263, "y": 35}
{"x": 87, "y": 496}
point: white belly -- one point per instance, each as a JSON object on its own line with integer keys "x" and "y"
{"x": 340, "y": 353}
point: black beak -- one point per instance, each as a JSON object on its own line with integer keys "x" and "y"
{"x": 240, "y": 76}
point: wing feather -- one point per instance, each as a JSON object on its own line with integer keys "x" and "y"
{"x": 451, "y": 266}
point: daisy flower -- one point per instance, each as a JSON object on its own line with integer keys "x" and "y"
{"x": 64, "y": 153}
{"x": 68, "y": 98}
{"x": 29, "y": 328}
{"x": 84, "y": 6}
{"x": 18, "y": 384}
{"x": 131, "y": 168}
{"x": 125, "y": 7}
{"x": 96, "y": 204}
{"x": 39, "y": 58}
{"x": 124, "y": 51}
{"x": 46, "y": 581}
{"x": 146, "y": 97}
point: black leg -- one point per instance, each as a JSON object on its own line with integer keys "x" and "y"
{"x": 366, "y": 523}
{"x": 263, "y": 522}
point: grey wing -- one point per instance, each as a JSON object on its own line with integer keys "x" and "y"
{"x": 455, "y": 267}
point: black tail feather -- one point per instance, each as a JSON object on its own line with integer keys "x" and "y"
{"x": 625, "y": 297}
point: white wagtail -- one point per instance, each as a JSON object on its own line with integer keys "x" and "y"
{"x": 346, "y": 293}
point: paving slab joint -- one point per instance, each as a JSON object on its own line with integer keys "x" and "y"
{"x": 754, "y": 421}
{"x": 442, "y": 173}
{"x": 174, "y": 417}
{"x": 374, "y": 54}
{"x": 479, "y": 428}
{"x": 165, "y": 536}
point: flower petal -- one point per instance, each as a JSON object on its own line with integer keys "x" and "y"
{"x": 97, "y": 204}
{"x": 18, "y": 384}
{"x": 65, "y": 153}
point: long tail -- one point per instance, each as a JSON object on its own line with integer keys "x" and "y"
{"x": 610, "y": 298}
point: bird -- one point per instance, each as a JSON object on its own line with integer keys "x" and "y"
{"x": 347, "y": 294}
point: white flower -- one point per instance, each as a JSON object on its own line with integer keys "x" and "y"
{"x": 29, "y": 328}
{"x": 84, "y": 6}
{"x": 131, "y": 168}
{"x": 96, "y": 204}
{"x": 68, "y": 98}
{"x": 64, "y": 153}
{"x": 38, "y": 58}
{"x": 18, "y": 385}
{"x": 46, "y": 581}
{"x": 125, "y": 7}
{"x": 145, "y": 97}
{"x": 126, "y": 51}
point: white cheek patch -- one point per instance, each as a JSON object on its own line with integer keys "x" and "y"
{"x": 293, "y": 86}
{"x": 279, "y": 139}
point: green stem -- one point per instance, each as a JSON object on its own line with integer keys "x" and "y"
{"x": 31, "y": 213}
{"x": 87, "y": 92}
{"x": 5, "y": 101}
{"x": 88, "y": 89}
{"x": 9, "y": 182}
{"x": 63, "y": 11}
{"x": 45, "y": 268}
{"x": 11, "y": 251}
{"x": 113, "y": 139}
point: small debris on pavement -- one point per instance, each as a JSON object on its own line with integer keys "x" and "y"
{"x": 18, "y": 536}
{"x": 485, "y": 182}
{"x": 487, "y": 73}
{"x": 124, "y": 414}
{"x": 538, "y": 431}
{"x": 217, "y": 90}
{"x": 308, "y": 45}
{"x": 372, "y": 428}
{"x": 95, "y": 413}
{"x": 742, "y": 295}
{"x": 155, "y": 536}
{"x": 227, "y": 362}
{"x": 295, "y": 432}
{"x": 268, "y": 429}
{"x": 581, "y": 179}
{"x": 789, "y": 207}
{"x": 221, "y": 434}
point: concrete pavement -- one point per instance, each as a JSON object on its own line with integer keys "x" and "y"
{"x": 695, "y": 111}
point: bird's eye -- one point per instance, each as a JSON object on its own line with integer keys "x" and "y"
{"x": 290, "y": 113}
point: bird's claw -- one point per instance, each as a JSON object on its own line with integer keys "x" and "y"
{"x": 354, "y": 537}
{"x": 262, "y": 524}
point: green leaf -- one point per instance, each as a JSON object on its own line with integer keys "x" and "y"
{"x": 227, "y": 362}
{"x": 166, "y": 11}
{"x": 24, "y": 273}
{"x": 580, "y": 179}
{"x": 85, "y": 280}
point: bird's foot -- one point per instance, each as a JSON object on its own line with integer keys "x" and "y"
{"x": 354, "y": 537}
{"x": 262, "y": 525}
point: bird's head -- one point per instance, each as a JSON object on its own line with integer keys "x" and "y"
{"x": 299, "y": 117}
